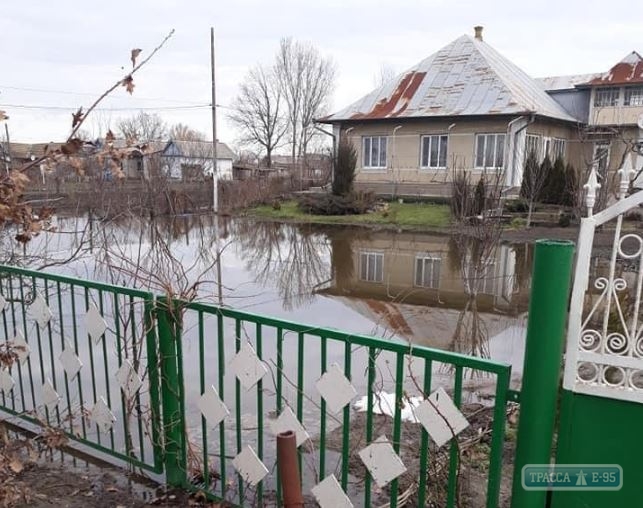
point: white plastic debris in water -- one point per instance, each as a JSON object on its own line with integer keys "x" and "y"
{"x": 384, "y": 404}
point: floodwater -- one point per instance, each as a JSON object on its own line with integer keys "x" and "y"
{"x": 430, "y": 290}
{"x": 410, "y": 286}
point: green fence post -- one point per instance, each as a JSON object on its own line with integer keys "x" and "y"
{"x": 542, "y": 363}
{"x": 175, "y": 455}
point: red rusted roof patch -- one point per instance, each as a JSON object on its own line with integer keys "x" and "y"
{"x": 628, "y": 71}
{"x": 399, "y": 99}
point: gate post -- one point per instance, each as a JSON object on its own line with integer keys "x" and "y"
{"x": 542, "y": 363}
{"x": 175, "y": 453}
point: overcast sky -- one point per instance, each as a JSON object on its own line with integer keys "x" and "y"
{"x": 79, "y": 48}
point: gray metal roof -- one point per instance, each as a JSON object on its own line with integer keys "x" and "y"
{"x": 554, "y": 83}
{"x": 466, "y": 77}
{"x": 200, "y": 149}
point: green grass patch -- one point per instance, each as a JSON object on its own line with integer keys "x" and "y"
{"x": 398, "y": 214}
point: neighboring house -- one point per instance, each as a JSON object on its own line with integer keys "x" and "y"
{"x": 467, "y": 107}
{"x": 192, "y": 160}
{"x": 18, "y": 154}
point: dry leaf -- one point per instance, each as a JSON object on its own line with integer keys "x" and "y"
{"x": 109, "y": 137}
{"x": 77, "y": 117}
{"x": 128, "y": 83}
{"x": 111, "y": 489}
{"x": 135, "y": 53}
{"x": 3, "y": 115}
{"x": 15, "y": 465}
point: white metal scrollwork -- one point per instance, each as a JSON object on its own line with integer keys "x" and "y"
{"x": 605, "y": 332}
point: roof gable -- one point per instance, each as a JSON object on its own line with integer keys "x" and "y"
{"x": 627, "y": 71}
{"x": 466, "y": 77}
{"x": 197, "y": 149}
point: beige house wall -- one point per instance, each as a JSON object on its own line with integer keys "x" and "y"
{"x": 405, "y": 141}
{"x": 399, "y": 271}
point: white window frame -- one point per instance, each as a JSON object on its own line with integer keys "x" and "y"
{"x": 368, "y": 259}
{"x": 536, "y": 146}
{"x": 601, "y": 145}
{"x": 421, "y": 262}
{"x": 606, "y": 97}
{"x": 489, "y": 278}
{"x": 367, "y": 163}
{"x": 635, "y": 93}
{"x": 558, "y": 148}
{"x": 485, "y": 137}
{"x": 431, "y": 139}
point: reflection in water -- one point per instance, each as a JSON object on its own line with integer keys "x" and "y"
{"x": 293, "y": 259}
{"x": 426, "y": 289}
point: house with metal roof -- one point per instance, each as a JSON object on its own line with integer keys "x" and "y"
{"x": 468, "y": 108}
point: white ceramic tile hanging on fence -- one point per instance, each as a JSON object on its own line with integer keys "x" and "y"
{"x": 21, "y": 348}
{"x": 95, "y": 323}
{"x": 336, "y": 389}
{"x": 212, "y": 407}
{"x": 381, "y": 461}
{"x": 102, "y": 415}
{"x": 288, "y": 421}
{"x": 128, "y": 378}
{"x": 329, "y": 494}
{"x": 71, "y": 362}
{"x": 50, "y": 397}
{"x": 6, "y": 382}
{"x": 247, "y": 366}
{"x": 249, "y": 466}
{"x": 440, "y": 417}
{"x": 39, "y": 311}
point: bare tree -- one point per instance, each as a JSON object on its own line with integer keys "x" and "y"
{"x": 258, "y": 111}
{"x": 143, "y": 127}
{"x": 384, "y": 74}
{"x": 307, "y": 80}
{"x": 182, "y": 132}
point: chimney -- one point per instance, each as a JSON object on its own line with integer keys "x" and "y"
{"x": 478, "y": 32}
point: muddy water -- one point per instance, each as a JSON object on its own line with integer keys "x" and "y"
{"x": 402, "y": 285}
{"x": 428, "y": 290}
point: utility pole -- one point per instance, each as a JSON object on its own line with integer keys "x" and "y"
{"x": 215, "y": 171}
{"x": 7, "y": 154}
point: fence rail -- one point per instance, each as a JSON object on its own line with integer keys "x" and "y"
{"x": 201, "y": 391}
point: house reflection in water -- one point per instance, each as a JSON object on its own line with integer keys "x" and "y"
{"x": 411, "y": 285}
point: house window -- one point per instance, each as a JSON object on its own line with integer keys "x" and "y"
{"x": 427, "y": 271}
{"x": 601, "y": 156}
{"x": 375, "y": 152}
{"x": 606, "y": 97}
{"x": 557, "y": 149}
{"x": 634, "y": 96}
{"x": 489, "y": 280}
{"x": 371, "y": 266}
{"x": 532, "y": 145}
{"x": 490, "y": 151}
{"x": 434, "y": 151}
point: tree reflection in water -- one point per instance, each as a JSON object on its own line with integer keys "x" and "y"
{"x": 293, "y": 258}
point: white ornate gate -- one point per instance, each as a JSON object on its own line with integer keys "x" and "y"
{"x": 605, "y": 334}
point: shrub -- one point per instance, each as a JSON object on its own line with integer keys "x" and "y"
{"x": 517, "y": 206}
{"x": 355, "y": 203}
{"x": 345, "y": 162}
{"x": 480, "y": 197}
{"x": 518, "y": 222}
{"x": 564, "y": 220}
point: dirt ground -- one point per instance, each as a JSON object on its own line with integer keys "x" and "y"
{"x": 474, "y": 445}
{"x": 49, "y": 479}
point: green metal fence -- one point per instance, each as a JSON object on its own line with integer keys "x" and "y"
{"x": 179, "y": 351}
{"x": 296, "y": 356}
{"x": 72, "y": 336}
